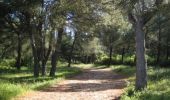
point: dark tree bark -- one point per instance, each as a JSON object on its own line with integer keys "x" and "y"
{"x": 93, "y": 58}
{"x": 43, "y": 70}
{"x": 167, "y": 49}
{"x": 35, "y": 55}
{"x": 54, "y": 58}
{"x": 55, "y": 53}
{"x": 19, "y": 50}
{"x": 19, "y": 41}
{"x": 45, "y": 52}
{"x": 33, "y": 45}
{"x": 36, "y": 66}
{"x": 86, "y": 59}
{"x": 110, "y": 49}
{"x": 110, "y": 55}
{"x": 44, "y": 61}
{"x": 123, "y": 53}
{"x": 72, "y": 49}
{"x": 141, "y": 75}
{"x": 159, "y": 42}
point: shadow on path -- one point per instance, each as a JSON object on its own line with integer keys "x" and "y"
{"x": 90, "y": 81}
{"x": 92, "y": 84}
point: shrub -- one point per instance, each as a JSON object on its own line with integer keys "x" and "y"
{"x": 7, "y": 90}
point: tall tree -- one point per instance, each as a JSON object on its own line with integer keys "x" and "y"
{"x": 139, "y": 13}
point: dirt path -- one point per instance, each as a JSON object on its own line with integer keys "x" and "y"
{"x": 92, "y": 84}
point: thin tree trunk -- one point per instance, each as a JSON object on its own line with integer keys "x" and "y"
{"x": 123, "y": 53}
{"x": 35, "y": 55}
{"x": 32, "y": 42}
{"x": 110, "y": 55}
{"x": 167, "y": 49}
{"x": 159, "y": 44}
{"x": 44, "y": 62}
{"x": 141, "y": 75}
{"x": 19, "y": 50}
{"x": 55, "y": 53}
{"x": 93, "y": 58}
{"x": 45, "y": 55}
{"x": 86, "y": 59}
{"x": 53, "y": 63}
{"x": 43, "y": 68}
{"x": 36, "y": 67}
{"x": 36, "y": 61}
{"x": 71, "y": 52}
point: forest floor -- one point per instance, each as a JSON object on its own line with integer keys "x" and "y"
{"x": 92, "y": 84}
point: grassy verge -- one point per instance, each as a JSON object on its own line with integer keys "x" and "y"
{"x": 13, "y": 82}
{"x": 158, "y": 84}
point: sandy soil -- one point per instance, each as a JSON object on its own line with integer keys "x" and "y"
{"x": 92, "y": 84}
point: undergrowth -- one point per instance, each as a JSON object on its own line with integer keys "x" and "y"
{"x": 158, "y": 84}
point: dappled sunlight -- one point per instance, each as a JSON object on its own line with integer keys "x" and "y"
{"x": 91, "y": 82}
{"x": 85, "y": 49}
{"x": 102, "y": 83}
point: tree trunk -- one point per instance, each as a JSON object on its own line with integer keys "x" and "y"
{"x": 110, "y": 55}
{"x": 32, "y": 42}
{"x": 43, "y": 54}
{"x": 159, "y": 44}
{"x": 53, "y": 63}
{"x": 44, "y": 62}
{"x": 71, "y": 52}
{"x": 55, "y": 53}
{"x": 35, "y": 55}
{"x": 19, "y": 50}
{"x": 36, "y": 67}
{"x": 43, "y": 68}
{"x": 46, "y": 56}
{"x": 93, "y": 58}
{"x": 141, "y": 74}
{"x": 123, "y": 53}
{"x": 86, "y": 59}
{"x": 167, "y": 49}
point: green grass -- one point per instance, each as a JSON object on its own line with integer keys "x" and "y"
{"x": 158, "y": 84}
{"x": 13, "y": 82}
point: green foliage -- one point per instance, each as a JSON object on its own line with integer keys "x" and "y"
{"x": 7, "y": 62}
{"x": 9, "y": 90}
{"x": 14, "y": 82}
{"x": 116, "y": 60}
{"x": 100, "y": 26}
{"x": 158, "y": 84}
{"x": 123, "y": 69}
{"x": 105, "y": 61}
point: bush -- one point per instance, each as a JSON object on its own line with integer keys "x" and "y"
{"x": 7, "y": 90}
{"x": 7, "y": 62}
{"x": 106, "y": 61}
{"x": 14, "y": 82}
{"x": 158, "y": 84}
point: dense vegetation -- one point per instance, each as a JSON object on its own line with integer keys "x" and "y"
{"x": 158, "y": 83}
{"x": 35, "y": 35}
{"x": 14, "y": 82}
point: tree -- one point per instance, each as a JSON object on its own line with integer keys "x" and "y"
{"x": 109, "y": 37}
{"x": 139, "y": 13}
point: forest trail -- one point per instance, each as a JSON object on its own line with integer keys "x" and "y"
{"x": 92, "y": 84}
